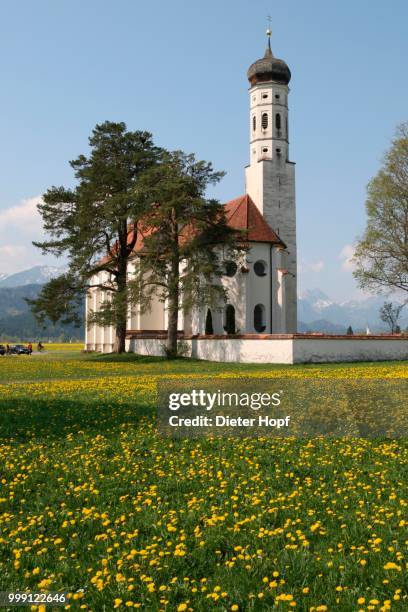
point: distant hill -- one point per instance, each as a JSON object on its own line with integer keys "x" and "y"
{"x": 18, "y": 323}
{"x": 317, "y": 312}
{"x": 321, "y": 325}
{"x": 37, "y": 275}
{"x": 12, "y": 300}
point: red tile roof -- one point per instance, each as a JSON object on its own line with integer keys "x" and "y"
{"x": 243, "y": 214}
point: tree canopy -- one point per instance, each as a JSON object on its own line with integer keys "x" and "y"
{"x": 186, "y": 238}
{"x": 381, "y": 255}
{"x": 89, "y": 225}
{"x": 389, "y": 314}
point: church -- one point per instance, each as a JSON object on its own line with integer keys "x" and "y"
{"x": 259, "y": 321}
{"x": 262, "y": 287}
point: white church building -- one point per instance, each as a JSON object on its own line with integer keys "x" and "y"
{"x": 259, "y": 321}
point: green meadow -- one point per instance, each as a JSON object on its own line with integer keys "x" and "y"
{"x": 95, "y": 502}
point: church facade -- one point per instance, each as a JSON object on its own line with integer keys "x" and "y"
{"x": 258, "y": 323}
{"x": 261, "y": 286}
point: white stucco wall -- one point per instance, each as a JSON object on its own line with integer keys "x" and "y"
{"x": 259, "y": 288}
{"x": 246, "y": 290}
{"x": 270, "y": 180}
{"x": 344, "y": 349}
{"x": 277, "y": 350}
{"x": 243, "y": 351}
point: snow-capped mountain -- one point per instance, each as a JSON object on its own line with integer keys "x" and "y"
{"x": 315, "y": 309}
{"x": 37, "y": 275}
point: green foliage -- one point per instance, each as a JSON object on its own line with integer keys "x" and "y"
{"x": 89, "y": 224}
{"x": 61, "y": 300}
{"x": 381, "y": 255}
{"x": 185, "y": 238}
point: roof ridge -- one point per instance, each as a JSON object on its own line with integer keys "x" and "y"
{"x": 251, "y": 220}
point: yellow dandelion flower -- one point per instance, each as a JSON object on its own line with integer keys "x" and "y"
{"x": 392, "y": 566}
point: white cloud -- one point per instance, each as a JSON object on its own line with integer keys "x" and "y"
{"x": 11, "y": 250}
{"x": 14, "y": 257}
{"x": 22, "y": 218}
{"x": 346, "y": 255}
{"x": 19, "y": 226}
{"x": 312, "y": 266}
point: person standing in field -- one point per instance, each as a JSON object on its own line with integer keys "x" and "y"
{"x": 30, "y": 348}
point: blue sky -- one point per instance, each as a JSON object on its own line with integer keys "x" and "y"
{"x": 178, "y": 69}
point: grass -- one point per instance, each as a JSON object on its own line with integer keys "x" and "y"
{"x": 94, "y": 501}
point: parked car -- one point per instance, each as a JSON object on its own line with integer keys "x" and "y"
{"x": 19, "y": 349}
{"x": 2, "y": 349}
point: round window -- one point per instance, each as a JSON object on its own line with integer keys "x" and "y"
{"x": 260, "y": 268}
{"x": 230, "y": 268}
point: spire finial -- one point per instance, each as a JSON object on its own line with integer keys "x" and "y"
{"x": 269, "y": 31}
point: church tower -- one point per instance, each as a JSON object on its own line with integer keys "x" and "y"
{"x": 270, "y": 176}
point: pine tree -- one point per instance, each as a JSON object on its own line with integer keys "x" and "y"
{"x": 89, "y": 225}
{"x": 185, "y": 239}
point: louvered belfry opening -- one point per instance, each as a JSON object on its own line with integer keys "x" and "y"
{"x": 264, "y": 121}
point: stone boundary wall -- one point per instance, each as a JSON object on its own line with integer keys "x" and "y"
{"x": 279, "y": 348}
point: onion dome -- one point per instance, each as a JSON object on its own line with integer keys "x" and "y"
{"x": 269, "y": 68}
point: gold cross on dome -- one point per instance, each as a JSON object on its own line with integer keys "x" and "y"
{"x": 269, "y": 30}
{"x": 269, "y": 33}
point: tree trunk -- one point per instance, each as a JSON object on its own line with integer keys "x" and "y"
{"x": 172, "y": 324}
{"x": 173, "y": 285}
{"x": 119, "y": 345}
{"x": 121, "y": 307}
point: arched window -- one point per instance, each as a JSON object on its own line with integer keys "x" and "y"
{"x": 278, "y": 121}
{"x": 259, "y": 318}
{"x": 209, "y": 329}
{"x": 254, "y": 123}
{"x": 260, "y": 268}
{"x": 264, "y": 121}
{"x": 230, "y": 319}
